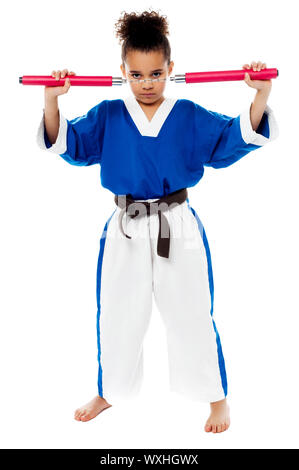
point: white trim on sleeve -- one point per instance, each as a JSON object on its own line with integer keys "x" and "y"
{"x": 252, "y": 137}
{"x": 60, "y": 145}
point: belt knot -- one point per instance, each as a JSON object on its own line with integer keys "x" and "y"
{"x": 130, "y": 206}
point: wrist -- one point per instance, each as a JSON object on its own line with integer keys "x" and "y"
{"x": 263, "y": 92}
{"x": 51, "y": 99}
{"x": 51, "y": 104}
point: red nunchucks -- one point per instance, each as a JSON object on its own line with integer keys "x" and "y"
{"x": 191, "y": 77}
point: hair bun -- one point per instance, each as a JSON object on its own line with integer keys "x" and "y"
{"x": 144, "y": 32}
{"x": 132, "y": 25}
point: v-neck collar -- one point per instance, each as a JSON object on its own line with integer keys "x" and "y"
{"x": 149, "y": 128}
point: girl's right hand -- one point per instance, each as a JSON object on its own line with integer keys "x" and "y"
{"x": 53, "y": 91}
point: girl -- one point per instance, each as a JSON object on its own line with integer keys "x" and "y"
{"x": 151, "y": 148}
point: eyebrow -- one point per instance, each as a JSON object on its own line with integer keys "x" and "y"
{"x": 138, "y": 71}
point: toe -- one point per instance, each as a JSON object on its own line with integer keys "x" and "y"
{"x": 219, "y": 427}
{"x": 81, "y": 413}
{"x": 208, "y": 427}
{"x": 86, "y": 417}
{"x": 214, "y": 428}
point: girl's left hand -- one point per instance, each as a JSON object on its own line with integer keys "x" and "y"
{"x": 264, "y": 85}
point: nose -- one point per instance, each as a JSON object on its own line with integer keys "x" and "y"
{"x": 147, "y": 85}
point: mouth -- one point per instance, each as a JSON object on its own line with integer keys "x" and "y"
{"x": 147, "y": 94}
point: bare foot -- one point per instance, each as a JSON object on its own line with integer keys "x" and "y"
{"x": 91, "y": 409}
{"x": 219, "y": 419}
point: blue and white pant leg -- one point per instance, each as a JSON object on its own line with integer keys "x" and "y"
{"x": 184, "y": 293}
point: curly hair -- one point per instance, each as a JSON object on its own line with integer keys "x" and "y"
{"x": 144, "y": 32}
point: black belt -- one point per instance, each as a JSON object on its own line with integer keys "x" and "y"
{"x": 129, "y": 205}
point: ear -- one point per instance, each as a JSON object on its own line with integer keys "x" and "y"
{"x": 170, "y": 67}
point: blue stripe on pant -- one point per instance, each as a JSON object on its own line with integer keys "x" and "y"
{"x": 211, "y": 284}
{"x": 99, "y": 274}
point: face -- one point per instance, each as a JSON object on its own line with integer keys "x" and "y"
{"x": 143, "y": 65}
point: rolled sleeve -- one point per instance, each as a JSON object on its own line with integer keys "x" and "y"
{"x": 266, "y": 131}
{"x": 231, "y": 138}
{"x": 79, "y": 140}
{"x": 60, "y": 146}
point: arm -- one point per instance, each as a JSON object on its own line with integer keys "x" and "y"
{"x": 51, "y": 118}
{"x": 263, "y": 89}
{"x": 258, "y": 107}
{"x": 233, "y": 138}
{"x": 52, "y": 130}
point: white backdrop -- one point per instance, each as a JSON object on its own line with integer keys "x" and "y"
{"x": 53, "y": 214}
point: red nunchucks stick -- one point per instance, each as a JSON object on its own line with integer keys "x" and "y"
{"x": 191, "y": 77}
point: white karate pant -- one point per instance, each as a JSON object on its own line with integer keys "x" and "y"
{"x": 129, "y": 272}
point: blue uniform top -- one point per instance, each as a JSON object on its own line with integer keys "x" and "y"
{"x": 150, "y": 159}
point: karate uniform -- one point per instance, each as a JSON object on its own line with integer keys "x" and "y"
{"x": 149, "y": 160}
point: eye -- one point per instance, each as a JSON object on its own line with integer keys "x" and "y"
{"x": 154, "y": 73}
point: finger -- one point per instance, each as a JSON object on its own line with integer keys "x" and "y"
{"x": 254, "y": 64}
{"x": 247, "y": 78}
{"x": 67, "y": 83}
{"x": 246, "y": 66}
{"x": 259, "y": 65}
{"x": 64, "y": 72}
{"x": 72, "y": 73}
{"x": 58, "y": 75}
